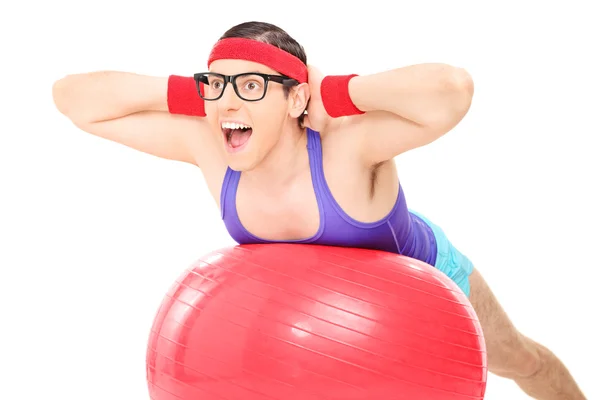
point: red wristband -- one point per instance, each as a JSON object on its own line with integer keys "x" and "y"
{"x": 183, "y": 98}
{"x": 335, "y": 96}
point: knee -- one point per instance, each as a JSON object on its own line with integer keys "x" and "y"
{"x": 531, "y": 359}
{"x": 518, "y": 360}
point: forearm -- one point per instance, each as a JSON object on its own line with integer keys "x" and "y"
{"x": 426, "y": 94}
{"x": 105, "y": 95}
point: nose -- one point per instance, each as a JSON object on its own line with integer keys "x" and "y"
{"x": 229, "y": 101}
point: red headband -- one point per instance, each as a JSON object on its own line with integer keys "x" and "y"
{"x": 262, "y": 53}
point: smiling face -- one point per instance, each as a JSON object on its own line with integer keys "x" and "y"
{"x": 249, "y": 130}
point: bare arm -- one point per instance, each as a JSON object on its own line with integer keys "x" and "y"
{"x": 131, "y": 109}
{"x": 406, "y": 108}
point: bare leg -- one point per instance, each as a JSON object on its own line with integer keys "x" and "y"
{"x": 534, "y": 368}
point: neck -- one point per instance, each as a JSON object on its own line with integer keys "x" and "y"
{"x": 285, "y": 161}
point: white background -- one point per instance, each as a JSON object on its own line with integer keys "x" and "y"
{"x": 93, "y": 233}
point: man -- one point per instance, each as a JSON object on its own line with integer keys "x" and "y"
{"x": 326, "y": 176}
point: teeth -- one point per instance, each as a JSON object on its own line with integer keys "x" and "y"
{"x": 233, "y": 125}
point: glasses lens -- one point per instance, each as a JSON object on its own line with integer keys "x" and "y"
{"x": 250, "y": 86}
{"x": 211, "y": 86}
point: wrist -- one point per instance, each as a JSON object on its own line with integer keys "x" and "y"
{"x": 335, "y": 95}
{"x": 153, "y": 90}
{"x": 183, "y": 97}
{"x": 357, "y": 94}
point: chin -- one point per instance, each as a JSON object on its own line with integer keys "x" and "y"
{"x": 244, "y": 158}
{"x": 241, "y": 162}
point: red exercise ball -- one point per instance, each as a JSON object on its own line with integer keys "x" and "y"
{"x": 311, "y": 322}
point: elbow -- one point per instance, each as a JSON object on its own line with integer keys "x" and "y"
{"x": 65, "y": 99}
{"x": 458, "y": 91}
{"x": 463, "y": 90}
{"x": 59, "y": 95}
{"x": 463, "y": 80}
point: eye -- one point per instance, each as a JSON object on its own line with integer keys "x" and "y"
{"x": 251, "y": 85}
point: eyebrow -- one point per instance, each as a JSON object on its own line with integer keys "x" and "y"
{"x": 247, "y": 72}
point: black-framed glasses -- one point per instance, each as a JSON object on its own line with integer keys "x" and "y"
{"x": 249, "y": 86}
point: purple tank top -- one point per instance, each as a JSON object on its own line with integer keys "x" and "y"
{"x": 399, "y": 232}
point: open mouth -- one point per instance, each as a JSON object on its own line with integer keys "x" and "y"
{"x": 236, "y": 134}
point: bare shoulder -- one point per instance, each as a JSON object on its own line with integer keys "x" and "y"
{"x": 364, "y": 191}
{"x": 342, "y": 144}
{"x": 339, "y": 135}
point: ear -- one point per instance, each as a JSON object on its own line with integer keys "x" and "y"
{"x": 298, "y": 100}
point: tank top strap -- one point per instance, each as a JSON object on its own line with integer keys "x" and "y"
{"x": 228, "y": 191}
{"x": 314, "y": 140}
{"x": 315, "y": 153}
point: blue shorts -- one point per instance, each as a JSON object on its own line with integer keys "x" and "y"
{"x": 449, "y": 260}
